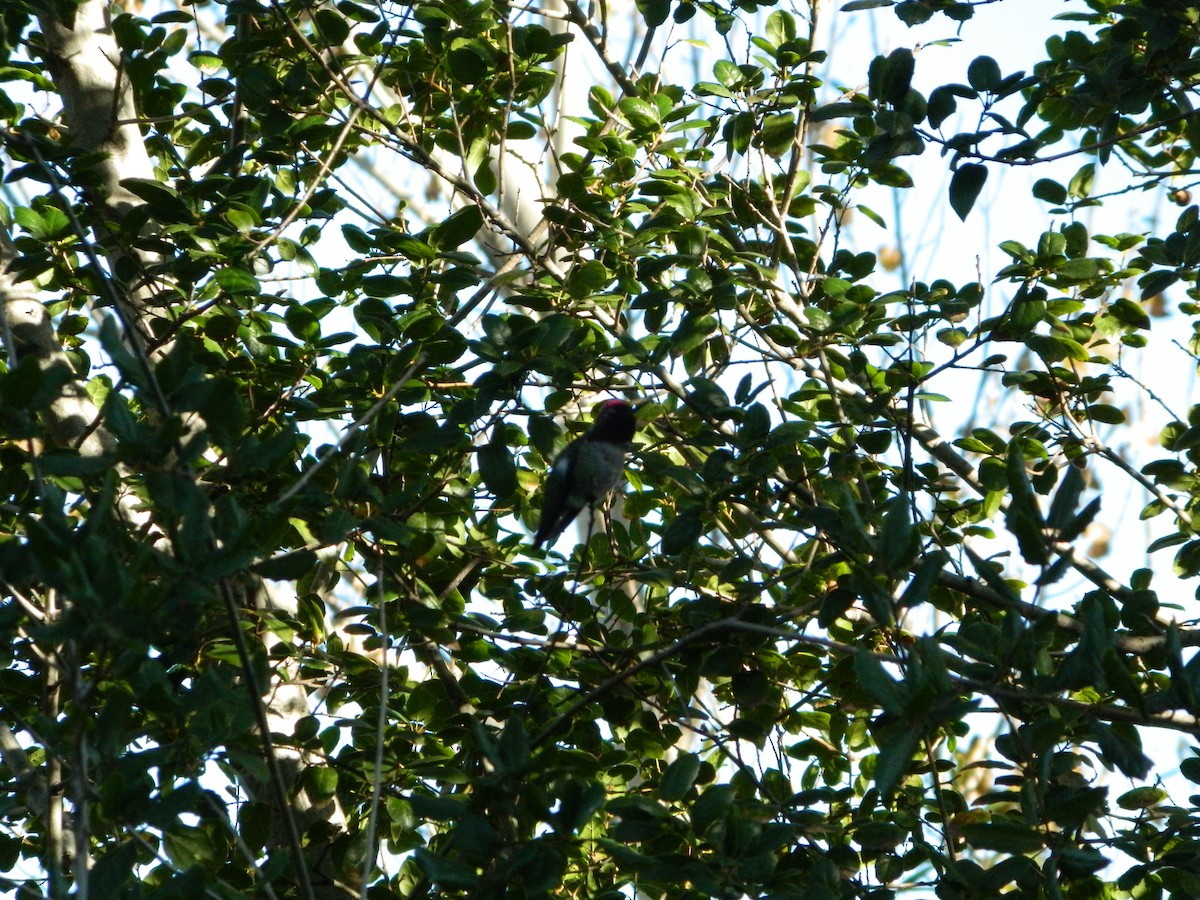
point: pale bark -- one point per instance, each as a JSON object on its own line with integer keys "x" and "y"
{"x": 71, "y": 419}
{"x": 85, "y": 63}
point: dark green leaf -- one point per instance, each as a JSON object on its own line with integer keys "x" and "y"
{"x": 778, "y": 134}
{"x": 287, "y": 566}
{"x": 942, "y": 105}
{"x": 1000, "y": 837}
{"x": 1122, "y": 747}
{"x": 983, "y": 74}
{"x": 682, "y": 533}
{"x": 965, "y": 185}
{"x": 655, "y": 12}
{"x": 878, "y": 684}
{"x": 898, "y": 540}
{"x": 236, "y": 280}
{"x": 496, "y": 465}
{"x": 457, "y": 229}
{"x": 1050, "y": 191}
{"x": 679, "y": 777}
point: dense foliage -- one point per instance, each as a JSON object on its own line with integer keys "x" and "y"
{"x": 299, "y": 301}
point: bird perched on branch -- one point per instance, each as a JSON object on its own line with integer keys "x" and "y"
{"x": 588, "y": 469}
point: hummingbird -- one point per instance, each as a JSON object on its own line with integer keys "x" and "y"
{"x": 587, "y": 470}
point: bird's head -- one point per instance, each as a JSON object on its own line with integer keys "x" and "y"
{"x": 614, "y": 422}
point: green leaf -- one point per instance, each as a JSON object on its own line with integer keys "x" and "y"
{"x": 600, "y": 101}
{"x": 641, "y": 114}
{"x": 1190, "y": 769}
{"x": 236, "y": 280}
{"x": 1024, "y": 516}
{"x": 965, "y": 185}
{"x": 1129, "y": 313}
{"x": 750, "y": 688}
{"x": 333, "y": 26}
{"x": 114, "y": 869}
{"x": 1181, "y": 440}
{"x": 496, "y": 465}
{"x": 682, "y": 533}
{"x": 781, "y": 27}
{"x": 1142, "y": 798}
{"x": 302, "y": 323}
{"x": 513, "y": 748}
{"x": 587, "y": 278}
{"x": 1080, "y": 184}
{"x": 728, "y": 73}
{"x": 778, "y": 134}
{"x": 357, "y": 239}
{"x": 856, "y": 5}
{"x": 983, "y": 74}
{"x": 1049, "y": 191}
{"x": 458, "y": 228}
{"x": 898, "y": 742}
{"x": 131, "y": 367}
{"x": 1077, "y": 270}
{"x": 1154, "y": 283}
{"x": 207, "y": 62}
{"x": 1050, "y": 245}
{"x": 188, "y": 846}
{"x": 578, "y": 802}
{"x": 1076, "y": 234}
{"x": 165, "y": 202}
{"x": 287, "y": 566}
{"x": 1066, "y": 499}
{"x": 655, "y": 12}
{"x": 914, "y": 12}
{"x": 1002, "y": 837}
{"x": 897, "y": 76}
{"x": 920, "y": 588}
{"x": 1105, "y": 414}
{"x": 446, "y": 873}
{"x": 1121, "y": 746}
{"x": 879, "y": 685}
{"x": 942, "y": 104}
{"x": 679, "y": 777}
{"x": 711, "y": 806}
{"x": 899, "y": 542}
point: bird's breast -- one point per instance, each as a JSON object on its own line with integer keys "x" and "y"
{"x": 600, "y": 469}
